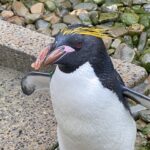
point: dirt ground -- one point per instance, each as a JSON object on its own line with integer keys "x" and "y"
{"x": 26, "y": 122}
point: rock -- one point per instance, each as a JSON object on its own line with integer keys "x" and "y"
{"x": 115, "y": 43}
{"x": 128, "y": 40}
{"x": 75, "y": 2}
{"x": 45, "y": 31}
{"x": 107, "y": 41}
{"x": 64, "y": 5}
{"x": 105, "y": 17}
{"x": 145, "y": 115}
{"x": 19, "y": 9}
{"x": 148, "y": 79}
{"x": 42, "y": 1}
{"x": 86, "y": 6}
{"x": 145, "y": 59}
{"x": 146, "y": 130}
{"x": 7, "y": 14}
{"x": 147, "y": 7}
{"x": 71, "y": 19}
{"x": 52, "y": 18}
{"x": 99, "y": 2}
{"x": 129, "y": 18}
{"x": 85, "y": 18}
{"x": 31, "y": 18}
{"x": 108, "y": 7}
{"x": 148, "y": 33}
{"x": 119, "y": 24}
{"x": 57, "y": 27}
{"x": 117, "y": 32}
{"x": 140, "y": 142}
{"x": 143, "y": 87}
{"x": 142, "y": 41}
{"x": 31, "y": 27}
{"x": 135, "y": 40}
{"x": 111, "y": 51}
{"x": 1, "y": 9}
{"x": 102, "y": 26}
{"x": 37, "y": 8}
{"x": 17, "y": 20}
{"x": 42, "y": 24}
{"x": 108, "y": 24}
{"x": 59, "y": 1}
{"x": 50, "y": 5}
{"x": 131, "y": 74}
{"x": 147, "y": 44}
{"x": 136, "y": 108}
{"x": 138, "y": 9}
{"x": 140, "y": 124}
{"x": 94, "y": 16}
{"x": 124, "y": 52}
{"x": 77, "y": 12}
{"x": 63, "y": 12}
{"x": 144, "y": 20}
{"x": 29, "y": 3}
{"x": 135, "y": 28}
{"x": 5, "y": 1}
{"x": 88, "y": 1}
{"x": 141, "y": 1}
{"x": 127, "y": 2}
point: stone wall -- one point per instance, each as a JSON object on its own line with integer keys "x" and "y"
{"x": 20, "y": 46}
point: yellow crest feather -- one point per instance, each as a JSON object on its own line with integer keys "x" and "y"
{"x": 97, "y": 32}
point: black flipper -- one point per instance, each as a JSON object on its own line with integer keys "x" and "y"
{"x": 35, "y": 81}
{"x": 139, "y": 98}
{"x": 129, "y": 93}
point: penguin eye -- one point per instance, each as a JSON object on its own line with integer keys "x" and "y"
{"x": 78, "y": 46}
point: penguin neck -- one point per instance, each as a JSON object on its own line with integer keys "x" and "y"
{"x": 67, "y": 68}
{"x": 101, "y": 63}
{"x": 104, "y": 70}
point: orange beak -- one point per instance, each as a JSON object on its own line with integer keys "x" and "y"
{"x": 46, "y": 58}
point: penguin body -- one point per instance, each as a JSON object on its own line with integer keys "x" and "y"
{"x": 89, "y": 116}
{"x": 87, "y": 93}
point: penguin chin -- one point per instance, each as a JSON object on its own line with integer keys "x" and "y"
{"x": 56, "y": 55}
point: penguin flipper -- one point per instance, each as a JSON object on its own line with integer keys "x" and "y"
{"x": 119, "y": 78}
{"x": 35, "y": 81}
{"x": 139, "y": 98}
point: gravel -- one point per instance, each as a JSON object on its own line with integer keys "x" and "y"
{"x": 26, "y": 122}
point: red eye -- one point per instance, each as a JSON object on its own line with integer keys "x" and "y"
{"x": 78, "y": 45}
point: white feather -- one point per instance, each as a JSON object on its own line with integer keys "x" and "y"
{"x": 89, "y": 116}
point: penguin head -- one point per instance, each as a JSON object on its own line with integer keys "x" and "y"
{"x": 75, "y": 46}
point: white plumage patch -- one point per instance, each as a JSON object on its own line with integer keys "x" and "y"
{"x": 89, "y": 116}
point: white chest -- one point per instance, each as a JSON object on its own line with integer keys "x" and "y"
{"x": 87, "y": 112}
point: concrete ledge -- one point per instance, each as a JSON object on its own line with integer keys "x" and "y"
{"x": 19, "y": 47}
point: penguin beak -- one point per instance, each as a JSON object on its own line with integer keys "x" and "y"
{"x": 48, "y": 56}
{"x": 41, "y": 57}
{"x": 58, "y": 54}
